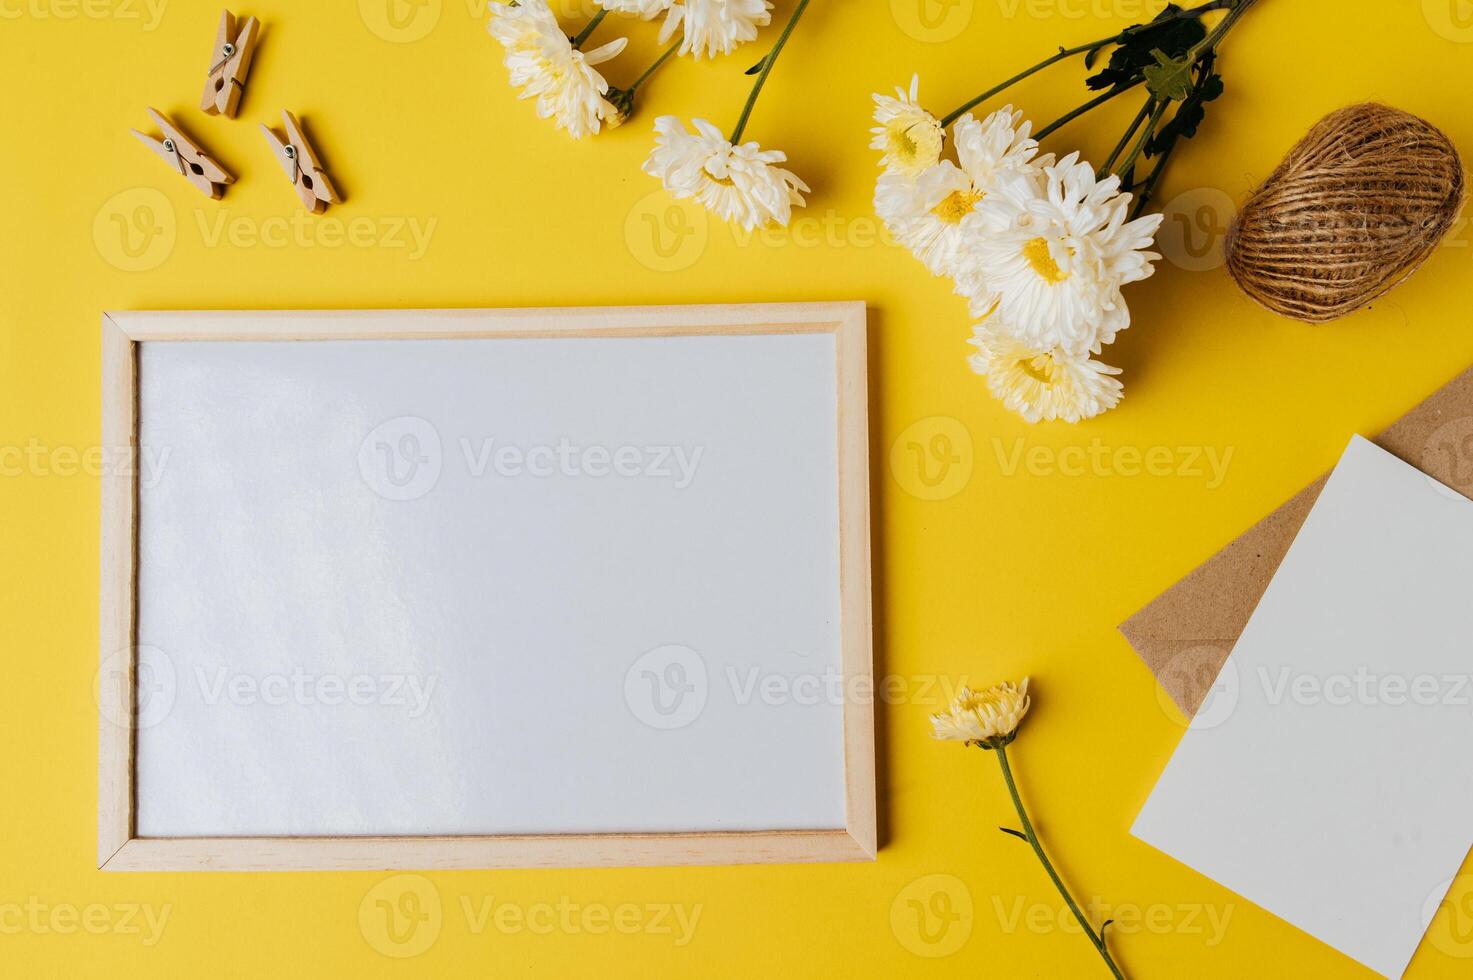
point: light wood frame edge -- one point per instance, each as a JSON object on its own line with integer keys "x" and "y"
{"x": 119, "y": 849}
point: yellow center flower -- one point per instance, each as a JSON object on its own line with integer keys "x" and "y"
{"x": 1041, "y": 368}
{"x": 1036, "y": 251}
{"x": 913, "y": 145}
{"x": 988, "y": 718}
{"x": 957, "y": 205}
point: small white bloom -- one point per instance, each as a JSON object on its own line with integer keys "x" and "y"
{"x": 908, "y": 136}
{"x": 1056, "y": 266}
{"x": 1043, "y": 385}
{"x": 643, "y": 9}
{"x": 736, "y": 183}
{"x": 934, "y": 213}
{"x": 544, "y": 66}
{"x": 713, "y": 27}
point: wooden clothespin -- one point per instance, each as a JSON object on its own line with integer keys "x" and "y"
{"x": 300, "y": 162}
{"x": 234, "y": 46}
{"x": 186, "y": 156}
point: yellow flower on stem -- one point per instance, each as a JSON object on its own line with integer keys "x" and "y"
{"x": 984, "y": 718}
{"x": 989, "y": 719}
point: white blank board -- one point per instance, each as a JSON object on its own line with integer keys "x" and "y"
{"x": 488, "y": 586}
{"x": 1330, "y": 785}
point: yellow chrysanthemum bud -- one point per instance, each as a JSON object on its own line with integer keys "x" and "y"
{"x": 987, "y": 718}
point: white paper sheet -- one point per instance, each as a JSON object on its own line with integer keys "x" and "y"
{"x": 378, "y": 596}
{"x": 1327, "y": 777}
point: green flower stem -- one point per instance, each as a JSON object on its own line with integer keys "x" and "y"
{"x": 592, "y": 25}
{"x": 1195, "y": 55}
{"x": 1236, "y": 9}
{"x": 1128, "y": 163}
{"x": 1063, "y": 53}
{"x": 655, "y": 67}
{"x": 1081, "y": 110}
{"x": 1135, "y": 123}
{"x": 767, "y": 63}
{"x": 1096, "y": 939}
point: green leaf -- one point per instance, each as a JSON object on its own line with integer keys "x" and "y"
{"x": 1016, "y": 833}
{"x": 1189, "y": 115}
{"x": 1169, "y": 78}
{"x": 757, "y": 67}
{"x": 1172, "y": 31}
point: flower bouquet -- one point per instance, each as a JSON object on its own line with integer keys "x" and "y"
{"x": 1041, "y": 246}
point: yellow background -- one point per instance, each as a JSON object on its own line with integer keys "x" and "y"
{"x": 1017, "y": 571}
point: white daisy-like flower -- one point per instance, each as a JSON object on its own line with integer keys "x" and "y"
{"x": 1056, "y": 266}
{"x": 713, "y": 27}
{"x": 935, "y": 212}
{"x": 736, "y": 183}
{"x": 643, "y": 9}
{"x": 544, "y": 66}
{"x": 908, "y": 136}
{"x": 1043, "y": 385}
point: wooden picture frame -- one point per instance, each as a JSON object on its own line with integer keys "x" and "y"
{"x": 119, "y": 846}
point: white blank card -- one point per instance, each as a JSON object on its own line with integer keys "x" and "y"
{"x": 1326, "y": 778}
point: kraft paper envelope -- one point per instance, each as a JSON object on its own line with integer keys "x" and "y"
{"x": 1187, "y": 632}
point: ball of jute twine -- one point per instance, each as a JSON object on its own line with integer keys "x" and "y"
{"x": 1353, "y": 210}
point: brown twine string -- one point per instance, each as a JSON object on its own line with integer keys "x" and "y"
{"x": 1352, "y": 211}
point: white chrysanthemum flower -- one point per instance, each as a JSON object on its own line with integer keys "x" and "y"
{"x": 713, "y": 27}
{"x": 544, "y": 66}
{"x": 933, "y": 213}
{"x": 643, "y": 9}
{"x": 1043, "y": 385}
{"x": 736, "y": 183}
{"x": 986, "y": 718}
{"x": 1056, "y": 267}
{"x": 909, "y": 137}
